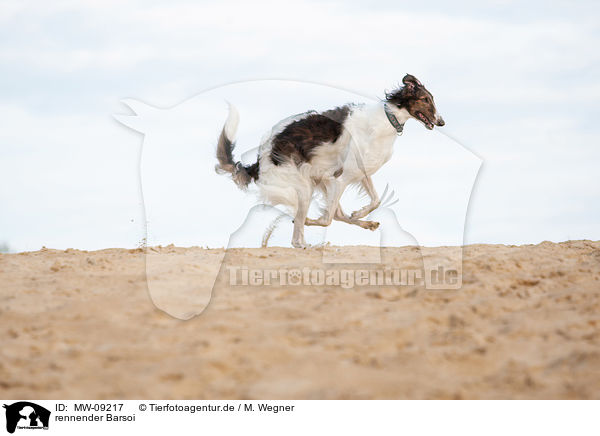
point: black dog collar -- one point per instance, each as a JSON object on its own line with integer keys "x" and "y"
{"x": 393, "y": 120}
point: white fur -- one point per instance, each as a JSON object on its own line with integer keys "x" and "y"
{"x": 232, "y": 122}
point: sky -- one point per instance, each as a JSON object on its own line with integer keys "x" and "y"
{"x": 518, "y": 85}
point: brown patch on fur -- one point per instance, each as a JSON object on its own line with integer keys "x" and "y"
{"x": 416, "y": 99}
{"x": 225, "y": 153}
{"x": 299, "y": 140}
{"x": 240, "y": 174}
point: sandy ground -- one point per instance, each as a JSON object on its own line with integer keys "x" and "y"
{"x": 526, "y": 324}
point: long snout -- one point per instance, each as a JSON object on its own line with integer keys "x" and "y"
{"x": 440, "y": 122}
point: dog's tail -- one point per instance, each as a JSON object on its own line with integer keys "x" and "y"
{"x": 241, "y": 175}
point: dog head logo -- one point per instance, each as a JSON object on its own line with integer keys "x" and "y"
{"x": 188, "y": 204}
{"x": 26, "y": 415}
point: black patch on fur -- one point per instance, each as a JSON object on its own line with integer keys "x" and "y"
{"x": 253, "y": 170}
{"x": 338, "y": 172}
{"x": 299, "y": 139}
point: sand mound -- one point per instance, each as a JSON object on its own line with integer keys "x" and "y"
{"x": 525, "y": 324}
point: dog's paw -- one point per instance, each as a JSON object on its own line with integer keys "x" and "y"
{"x": 300, "y": 244}
{"x": 372, "y": 225}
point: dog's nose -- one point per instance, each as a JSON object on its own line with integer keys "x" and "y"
{"x": 440, "y": 122}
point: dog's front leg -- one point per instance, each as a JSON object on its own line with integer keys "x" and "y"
{"x": 367, "y": 185}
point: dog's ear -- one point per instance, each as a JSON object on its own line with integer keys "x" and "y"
{"x": 411, "y": 82}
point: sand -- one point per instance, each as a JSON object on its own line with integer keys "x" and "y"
{"x": 526, "y": 324}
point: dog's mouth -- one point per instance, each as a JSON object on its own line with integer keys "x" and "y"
{"x": 421, "y": 117}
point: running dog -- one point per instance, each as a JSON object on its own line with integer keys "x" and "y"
{"x": 322, "y": 153}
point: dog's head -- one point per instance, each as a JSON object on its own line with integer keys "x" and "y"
{"x": 417, "y": 100}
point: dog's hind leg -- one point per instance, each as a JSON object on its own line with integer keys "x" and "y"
{"x": 299, "y": 219}
{"x": 341, "y": 216}
{"x": 333, "y": 190}
{"x": 367, "y": 185}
